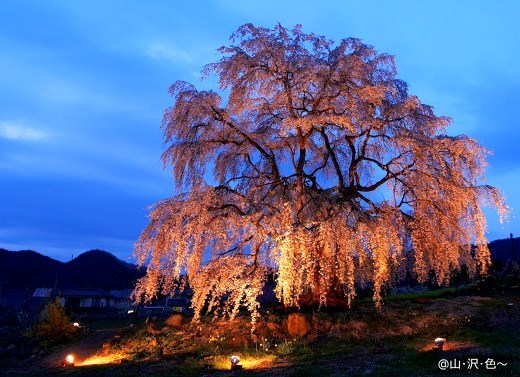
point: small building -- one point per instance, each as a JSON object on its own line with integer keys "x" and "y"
{"x": 178, "y": 305}
{"x": 96, "y": 301}
{"x": 84, "y": 299}
{"x": 120, "y": 299}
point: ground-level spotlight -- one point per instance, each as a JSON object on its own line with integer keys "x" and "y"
{"x": 68, "y": 362}
{"x": 234, "y": 363}
{"x": 439, "y": 342}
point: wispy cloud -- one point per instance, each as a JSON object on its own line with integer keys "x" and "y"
{"x": 166, "y": 51}
{"x": 20, "y": 132}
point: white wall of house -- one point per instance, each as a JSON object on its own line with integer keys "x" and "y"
{"x": 85, "y": 302}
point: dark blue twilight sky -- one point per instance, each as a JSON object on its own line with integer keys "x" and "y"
{"x": 84, "y": 84}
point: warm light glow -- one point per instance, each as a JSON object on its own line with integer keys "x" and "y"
{"x": 247, "y": 362}
{"x": 235, "y": 360}
{"x": 113, "y": 358}
{"x": 452, "y": 345}
{"x": 75, "y": 324}
{"x": 257, "y": 362}
{"x": 69, "y": 359}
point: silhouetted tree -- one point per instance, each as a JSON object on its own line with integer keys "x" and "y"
{"x": 53, "y": 325}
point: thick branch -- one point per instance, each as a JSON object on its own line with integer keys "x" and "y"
{"x": 332, "y": 155}
{"x": 249, "y": 139}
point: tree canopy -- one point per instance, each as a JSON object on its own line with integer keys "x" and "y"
{"x": 317, "y": 164}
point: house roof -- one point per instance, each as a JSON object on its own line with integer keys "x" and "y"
{"x": 42, "y": 292}
{"x": 84, "y": 293}
{"x": 120, "y": 293}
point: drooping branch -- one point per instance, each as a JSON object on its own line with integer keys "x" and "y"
{"x": 304, "y": 152}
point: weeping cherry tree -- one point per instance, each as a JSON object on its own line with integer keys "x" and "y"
{"x": 318, "y": 165}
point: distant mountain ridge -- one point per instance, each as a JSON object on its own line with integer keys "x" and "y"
{"x": 97, "y": 269}
{"x": 504, "y": 249}
{"x": 94, "y": 269}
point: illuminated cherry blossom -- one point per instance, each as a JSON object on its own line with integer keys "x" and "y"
{"x": 313, "y": 161}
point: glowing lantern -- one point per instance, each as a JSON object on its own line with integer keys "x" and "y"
{"x": 68, "y": 362}
{"x": 234, "y": 363}
{"x": 439, "y": 342}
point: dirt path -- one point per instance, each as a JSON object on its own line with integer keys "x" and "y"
{"x": 82, "y": 349}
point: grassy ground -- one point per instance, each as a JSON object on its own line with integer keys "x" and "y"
{"x": 362, "y": 341}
